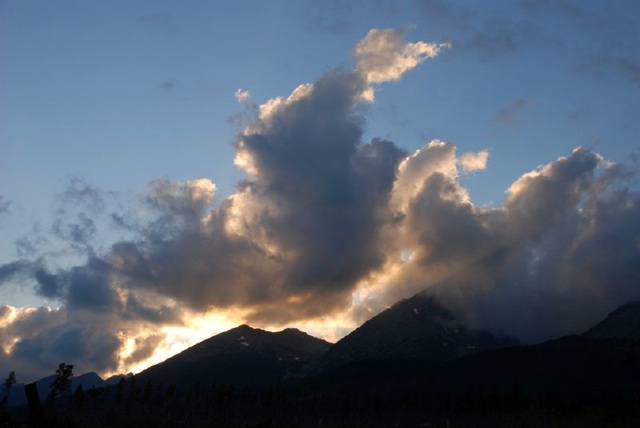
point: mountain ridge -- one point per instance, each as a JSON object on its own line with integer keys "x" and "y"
{"x": 242, "y": 356}
{"x": 623, "y": 322}
{"x": 414, "y": 328}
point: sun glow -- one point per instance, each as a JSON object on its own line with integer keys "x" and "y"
{"x": 175, "y": 339}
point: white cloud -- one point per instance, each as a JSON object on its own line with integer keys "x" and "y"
{"x": 242, "y": 95}
{"x": 384, "y": 56}
{"x": 470, "y": 161}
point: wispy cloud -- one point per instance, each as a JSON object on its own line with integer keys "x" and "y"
{"x": 511, "y": 112}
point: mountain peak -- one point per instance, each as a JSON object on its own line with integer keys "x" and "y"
{"x": 243, "y": 327}
{"x": 241, "y": 355}
{"x": 623, "y": 322}
{"x": 414, "y": 328}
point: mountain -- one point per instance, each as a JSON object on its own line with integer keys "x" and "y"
{"x": 624, "y": 322}
{"x": 89, "y": 380}
{"x": 415, "y": 328}
{"x": 241, "y": 356}
{"x": 569, "y": 370}
{"x": 602, "y": 363}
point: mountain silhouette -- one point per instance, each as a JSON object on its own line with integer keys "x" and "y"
{"x": 87, "y": 380}
{"x": 411, "y": 364}
{"x": 622, "y": 323}
{"x": 242, "y": 356}
{"x": 414, "y": 328}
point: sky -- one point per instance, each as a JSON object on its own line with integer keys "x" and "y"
{"x": 171, "y": 170}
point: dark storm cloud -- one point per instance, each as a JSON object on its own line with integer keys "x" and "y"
{"x": 136, "y": 310}
{"x": 44, "y": 337}
{"x": 84, "y": 331}
{"x": 13, "y": 269}
{"x": 30, "y": 324}
{"x": 89, "y": 347}
{"x": 48, "y": 285}
{"x": 90, "y": 287}
{"x": 302, "y": 228}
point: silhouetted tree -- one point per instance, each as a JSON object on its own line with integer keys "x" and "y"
{"x": 6, "y": 386}
{"x": 120, "y": 390}
{"x": 147, "y": 393}
{"x": 134, "y": 391}
{"x": 62, "y": 383}
{"x": 79, "y": 397}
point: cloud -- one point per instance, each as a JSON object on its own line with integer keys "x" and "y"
{"x": 48, "y": 285}
{"x": 144, "y": 348}
{"x": 40, "y": 338}
{"x": 16, "y": 268}
{"x": 485, "y": 32}
{"x": 512, "y": 111}
{"x": 326, "y": 225}
{"x": 90, "y": 287}
{"x": 168, "y": 85}
{"x": 28, "y": 246}
{"x": 470, "y": 161}
{"x": 79, "y": 233}
{"x": 301, "y": 228}
{"x": 82, "y": 194}
{"x": 4, "y": 205}
{"x": 384, "y": 56}
{"x": 188, "y": 199}
{"x": 608, "y": 34}
{"x": 242, "y": 95}
{"x": 623, "y": 66}
{"x": 552, "y": 261}
{"x": 89, "y": 346}
{"x": 290, "y": 244}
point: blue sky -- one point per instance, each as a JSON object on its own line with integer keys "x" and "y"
{"x": 113, "y": 95}
{"x": 88, "y": 85}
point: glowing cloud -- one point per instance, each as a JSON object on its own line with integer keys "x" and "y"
{"x": 384, "y": 56}
{"x": 470, "y": 161}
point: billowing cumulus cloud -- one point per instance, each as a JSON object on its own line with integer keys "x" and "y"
{"x": 301, "y": 229}
{"x": 326, "y": 226}
{"x": 553, "y": 260}
{"x": 35, "y": 338}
